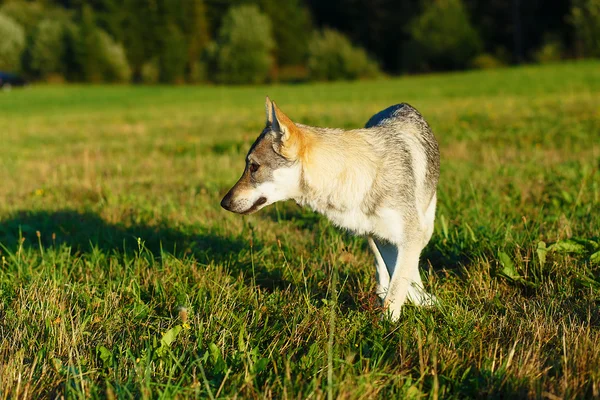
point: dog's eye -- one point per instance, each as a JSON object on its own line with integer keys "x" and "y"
{"x": 254, "y": 167}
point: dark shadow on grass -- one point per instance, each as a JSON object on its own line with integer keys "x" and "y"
{"x": 83, "y": 231}
{"x": 444, "y": 255}
{"x": 290, "y": 213}
{"x": 486, "y": 384}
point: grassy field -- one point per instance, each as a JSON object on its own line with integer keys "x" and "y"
{"x": 120, "y": 275}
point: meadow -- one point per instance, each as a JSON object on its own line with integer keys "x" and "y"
{"x": 121, "y": 276}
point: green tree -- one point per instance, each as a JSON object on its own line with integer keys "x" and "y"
{"x": 88, "y": 53}
{"x": 443, "y": 37}
{"x": 114, "y": 66}
{"x": 333, "y": 57}
{"x": 242, "y": 53}
{"x": 141, "y": 31}
{"x": 585, "y": 18}
{"x": 12, "y": 44}
{"x": 190, "y": 17}
{"x": 173, "y": 56}
{"x": 27, "y": 14}
{"x": 110, "y": 17}
{"x": 291, "y": 22}
{"x": 48, "y": 48}
{"x": 92, "y": 55}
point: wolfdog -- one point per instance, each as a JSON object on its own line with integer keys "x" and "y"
{"x": 378, "y": 181}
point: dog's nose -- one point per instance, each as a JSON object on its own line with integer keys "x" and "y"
{"x": 226, "y": 202}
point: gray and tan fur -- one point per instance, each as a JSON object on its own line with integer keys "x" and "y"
{"x": 378, "y": 181}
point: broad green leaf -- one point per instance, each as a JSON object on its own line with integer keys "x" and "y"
{"x": 595, "y": 258}
{"x": 105, "y": 355}
{"x": 215, "y": 353}
{"x": 241, "y": 341}
{"x": 167, "y": 339}
{"x": 170, "y": 335}
{"x": 568, "y": 246}
{"x": 260, "y": 365}
{"x": 508, "y": 267}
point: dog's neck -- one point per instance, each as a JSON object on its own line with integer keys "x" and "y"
{"x": 337, "y": 168}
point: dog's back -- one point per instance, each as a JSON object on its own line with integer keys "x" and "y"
{"x": 410, "y": 152}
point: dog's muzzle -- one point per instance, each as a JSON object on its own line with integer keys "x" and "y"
{"x": 230, "y": 205}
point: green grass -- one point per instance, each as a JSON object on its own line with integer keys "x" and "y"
{"x": 121, "y": 276}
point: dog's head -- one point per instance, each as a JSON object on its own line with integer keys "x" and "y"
{"x": 273, "y": 168}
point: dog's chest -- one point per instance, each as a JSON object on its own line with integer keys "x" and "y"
{"x": 352, "y": 219}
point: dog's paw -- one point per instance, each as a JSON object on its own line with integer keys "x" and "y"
{"x": 391, "y": 311}
{"x": 420, "y": 297}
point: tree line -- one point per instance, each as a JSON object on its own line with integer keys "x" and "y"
{"x": 254, "y": 41}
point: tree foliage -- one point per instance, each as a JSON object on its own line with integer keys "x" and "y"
{"x": 173, "y": 56}
{"x": 113, "y": 61}
{"x": 333, "y": 57}
{"x": 168, "y": 40}
{"x": 291, "y": 23}
{"x": 27, "y": 14}
{"x": 443, "y": 37}
{"x": 242, "y": 52}
{"x": 12, "y": 44}
{"x": 48, "y": 48}
{"x": 585, "y": 17}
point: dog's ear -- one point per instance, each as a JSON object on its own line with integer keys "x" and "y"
{"x": 282, "y": 125}
{"x": 288, "y": 137}
{"x": 269, "y": 111}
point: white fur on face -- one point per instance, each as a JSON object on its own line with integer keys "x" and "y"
{"x": 285, "y": 185}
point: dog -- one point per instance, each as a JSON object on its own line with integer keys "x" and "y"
{"x": 379, "y": 181}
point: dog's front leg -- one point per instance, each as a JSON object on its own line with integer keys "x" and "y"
{"x": 382, "y": 274}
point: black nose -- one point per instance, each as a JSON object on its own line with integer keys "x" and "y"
{"x": 226, "y": 202}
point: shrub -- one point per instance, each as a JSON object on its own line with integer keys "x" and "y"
{"x": 242, "y": 51}
{"x": 585, "y": 18}
{"x": 550, "y": 51}
{"x": 197, "y": 72}
{"x": 443, "y": 37}
{"x": 332, "y": 57}
{"x": 149, "y": 72}
{"x": 113, "y": 60}
{"x": 486, "y": 61}
{"x": 47, "y": 49}
{"x": 12, "y": 44}
{"x": 291, "y": 73}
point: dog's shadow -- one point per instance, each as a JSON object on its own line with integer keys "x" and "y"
{"x": 84, "y": 231}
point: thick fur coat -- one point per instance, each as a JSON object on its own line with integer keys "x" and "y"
{"x": 378, "y": 181}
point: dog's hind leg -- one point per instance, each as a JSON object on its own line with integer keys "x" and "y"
{"x": 429, "y": 218}
{"x": 417, "y": 293}
{"x": 382, "y": 252}
{"x": 405, "y": 273}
